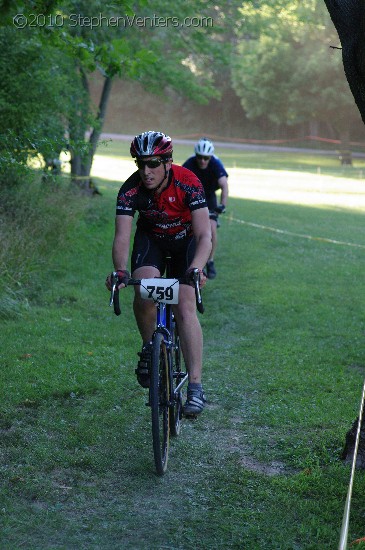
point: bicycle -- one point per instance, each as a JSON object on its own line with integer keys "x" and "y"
{"x": 166, "y": 375}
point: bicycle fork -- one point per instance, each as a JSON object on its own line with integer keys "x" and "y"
{"x": 164, "y": 320}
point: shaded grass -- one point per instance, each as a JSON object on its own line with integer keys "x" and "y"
{"x": 284, "y": 363}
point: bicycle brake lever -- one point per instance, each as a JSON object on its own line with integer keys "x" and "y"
{"x": 114, "y": 287}
{"x": 196, "y": 280}
{"x": 112, "y": 296}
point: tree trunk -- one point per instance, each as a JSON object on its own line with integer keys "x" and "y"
{"x": 313, "y": 128}
{"x": 348, "y": 17}
{"x": 345, "y": 152}
{"x": 81, "y": 162}
{"x": 95, "y": 134}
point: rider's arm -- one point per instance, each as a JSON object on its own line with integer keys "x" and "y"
{"x": 223, "y": 184}
{"x": 120, "y": 251}
{"x": 203, "y": 237}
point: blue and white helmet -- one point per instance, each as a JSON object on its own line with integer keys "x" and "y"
{"x": 204, "y": 147}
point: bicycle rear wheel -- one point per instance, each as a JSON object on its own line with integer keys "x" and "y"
{"x": 160, "y": 401}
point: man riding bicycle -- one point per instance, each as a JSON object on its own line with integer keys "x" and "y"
{"x": 173, "y": 218}
{"x": 211, "y": 172}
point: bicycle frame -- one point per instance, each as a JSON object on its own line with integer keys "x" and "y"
{"x": 165, "y": 324}
{"x": 164, "y": 316}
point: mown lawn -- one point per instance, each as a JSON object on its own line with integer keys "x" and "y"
{"x": 284, "y": 367}
{"x": 239, "y": 158}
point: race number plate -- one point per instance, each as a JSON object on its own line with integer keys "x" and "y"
{"x": 160, "y": 290}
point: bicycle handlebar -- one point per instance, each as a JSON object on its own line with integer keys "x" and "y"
{"x": 114, "y": 294}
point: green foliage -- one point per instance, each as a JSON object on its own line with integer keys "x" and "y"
{"x": 10, "y": 8}
{"x": 88, "y": 38}
{"x": 189, "y": 57}
{"x": 136, "y": 46}
{"x": 31, "y": 114}
{"x": 285, "y": 69}
{"x": 52, "y": 47}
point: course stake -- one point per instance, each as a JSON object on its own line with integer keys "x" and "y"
{"x": 346, "y": 514}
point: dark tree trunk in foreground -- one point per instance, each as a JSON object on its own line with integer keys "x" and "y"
{"x": 348, "y": 17}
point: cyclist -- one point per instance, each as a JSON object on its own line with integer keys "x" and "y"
{"x": 173, "y": 217}
{"x": 211, "y": 172}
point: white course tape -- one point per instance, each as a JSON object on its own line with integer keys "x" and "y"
{"x": 346, "y": 515}
{"x": 301, "y": 235}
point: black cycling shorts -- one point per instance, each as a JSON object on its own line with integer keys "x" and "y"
{"x": 211, "y": 199}
{"x": 152, "y": 251}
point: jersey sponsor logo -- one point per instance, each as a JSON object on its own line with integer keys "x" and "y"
{"x": 199, "y": 201}
{"x": 131, "y": 192}
{"x": 181, "y": 235}
{"x": 170, "y": 225}
{"x": 154, "y": 215}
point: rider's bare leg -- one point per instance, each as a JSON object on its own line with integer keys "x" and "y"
{"x": 190, "y": 332}
{"x": 144, "y": 310}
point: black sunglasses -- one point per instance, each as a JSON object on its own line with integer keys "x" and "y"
{"x": 152, "y": 163}
{"x": 202, "y": 157}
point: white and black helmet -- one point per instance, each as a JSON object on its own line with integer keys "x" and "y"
{"x": 151, "y": 143}
{"x": 204, "y": 147}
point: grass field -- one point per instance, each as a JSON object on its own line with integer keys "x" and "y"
{"x": 236, "y": 158}
{"x": 284, "y": 367}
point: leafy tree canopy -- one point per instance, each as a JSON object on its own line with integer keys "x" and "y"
{"x": 62, "y": 42}
{"x": 285, "y": 67}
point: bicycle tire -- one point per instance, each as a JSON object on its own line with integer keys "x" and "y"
{"x": 160, "y": 402}
{"x": 176, "y": 409}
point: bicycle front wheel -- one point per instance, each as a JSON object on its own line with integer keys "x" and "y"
{"x": 177, "y": 377}
{"x": 160, "y": 402}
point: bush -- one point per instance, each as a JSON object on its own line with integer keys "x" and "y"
{"x": 35, "y": 221}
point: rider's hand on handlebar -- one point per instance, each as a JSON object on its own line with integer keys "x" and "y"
{"x": 220, "y": 209}
{"x": 190, "y": 277}
{"x": 123, "y": 276}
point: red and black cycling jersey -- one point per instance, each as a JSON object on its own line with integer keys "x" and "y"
{"x": 167, "y": 215}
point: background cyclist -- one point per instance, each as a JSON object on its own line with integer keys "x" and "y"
{"x": 211, "y": 172}
{"x": 173, "y": 217}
